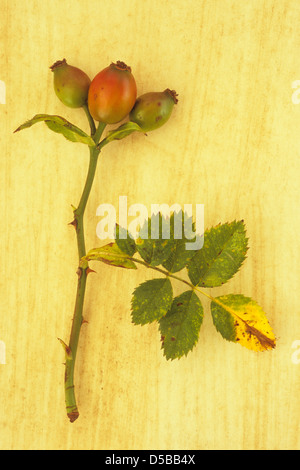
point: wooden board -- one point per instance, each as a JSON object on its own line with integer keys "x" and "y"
{"x": 231, "y": 144}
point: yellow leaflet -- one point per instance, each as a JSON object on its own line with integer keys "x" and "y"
{"x": 242, "y": 320}
{"x": 112, "y": 255}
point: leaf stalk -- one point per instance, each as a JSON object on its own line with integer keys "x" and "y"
{"x": 167, "y": 273}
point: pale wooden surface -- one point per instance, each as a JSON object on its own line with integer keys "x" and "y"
{"x": 232, "y": 144}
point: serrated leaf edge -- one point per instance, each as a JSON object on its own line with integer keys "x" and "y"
{"x": 245, "y": 254}
{"x": 196, "y": 340}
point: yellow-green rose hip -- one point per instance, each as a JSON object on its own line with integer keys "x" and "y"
{"x": 153, "y": 109}
{"x": 71, "y": 84}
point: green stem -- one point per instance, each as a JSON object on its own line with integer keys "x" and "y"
{"x": 90, "y": 119}
{"x": 71, "y": 350}
{"x": 97, "y": 135}
{"x": 82, "y": 272}
{"x": 79, "y": 212}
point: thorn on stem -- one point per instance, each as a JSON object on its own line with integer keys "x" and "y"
{"x": 79, "y": 272}
{"x": 89, "y": 270}
{"x": 67, "y": 349}
{"x": 74, "y": 223}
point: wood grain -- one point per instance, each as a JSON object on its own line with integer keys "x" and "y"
{"x": 231, "y": 144}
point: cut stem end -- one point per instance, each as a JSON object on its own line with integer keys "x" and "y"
{"x": 73, "y": 415}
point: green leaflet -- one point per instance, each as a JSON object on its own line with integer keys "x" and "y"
{"x": 163, "y": 241}
{"x": 151, "y": 300}
{"x": 151, "y": 244}
{"x": 180, "y": 327}
{"x": 179, "y": 255}
{"x": 62, "y": 126}
{"x": 112, "y": 255}
{"x": 124, "y": 241}
{"x": 223, "y": 253}
{"x": 121, "y": 132}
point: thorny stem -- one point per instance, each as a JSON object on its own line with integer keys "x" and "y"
{"x": 82, "y": 272}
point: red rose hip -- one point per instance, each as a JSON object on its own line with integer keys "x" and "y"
{"x": 112, "y": 93}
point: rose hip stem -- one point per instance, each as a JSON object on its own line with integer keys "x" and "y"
{"x": 82, "y": 272}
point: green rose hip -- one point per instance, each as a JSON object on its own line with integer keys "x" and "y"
{"x": 153, "y": 109}
{"x": 71, "y": 84}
